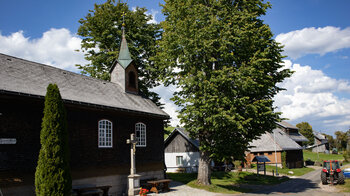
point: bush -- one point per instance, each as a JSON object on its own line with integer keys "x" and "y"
{"x": 238, "y": 165}
{"x": 346, "y": 155}
{"x": 52, "y": 175}
{"x": 284, "y": 159}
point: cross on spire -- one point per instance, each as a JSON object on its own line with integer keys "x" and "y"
{"x": 123, "y": 25}
{"x": 124, "y": 57}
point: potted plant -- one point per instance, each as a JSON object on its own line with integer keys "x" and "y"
{"x": 143, "y": 191}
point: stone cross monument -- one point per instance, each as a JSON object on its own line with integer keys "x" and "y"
{"x": 133, "y": 178}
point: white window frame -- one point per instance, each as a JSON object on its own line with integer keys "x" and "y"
{"x": 179, "y": 160}
{"x": 105, "y": 134}
{"x": 141, "y": 141}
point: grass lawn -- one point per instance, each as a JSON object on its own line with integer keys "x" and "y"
{"x": 167, "y": 131}
{"x": 344, "y": 187}
{"x": 227, "y": 182}
{"x": 321, "y": 156}
{"x": 296, "y": 171}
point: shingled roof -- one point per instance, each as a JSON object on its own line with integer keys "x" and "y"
{"x": 22, "y": 77}
{"x": 266, "y": 142}
{"x": 185, "y": 134}
{"x": 294, "y": 135}
{"x": 286, "y": 125}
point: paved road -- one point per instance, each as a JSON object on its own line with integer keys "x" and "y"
{"x": 305, "y": 185}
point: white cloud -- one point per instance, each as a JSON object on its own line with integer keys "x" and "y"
{"x": 56, "y": 47}
{"x": 311, "y": 95}
{"x": 153, "y": 14}
{"x": 314, "y": 41}
{"x": 170, "y": 108}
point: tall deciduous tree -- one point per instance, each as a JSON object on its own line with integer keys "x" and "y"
{"x": 342, "y": 139}
{"x": 52, "y": 176}
{"x": 306, "y": 130}
{"x": 223, "y": 59}
{"x": 101, "y": 32}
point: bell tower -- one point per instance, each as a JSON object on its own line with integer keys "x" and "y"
{"x": 124, "y": 71}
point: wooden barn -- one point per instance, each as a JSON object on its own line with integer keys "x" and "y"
{"x": 272, "y": 145}
{"x": 181, "y": 152}
{"x": 101, "y": 116}
{"x": 293, "y": 132}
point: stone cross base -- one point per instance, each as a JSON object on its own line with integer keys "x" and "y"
{"x": 133, "y": 184}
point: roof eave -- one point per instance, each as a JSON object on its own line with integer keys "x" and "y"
{"x": 85, "y": 104}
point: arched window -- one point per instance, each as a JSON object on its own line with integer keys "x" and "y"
{"x": 140, "y": 131}
{"x": 105, "y": 134}
{"x": 132, "y": 82}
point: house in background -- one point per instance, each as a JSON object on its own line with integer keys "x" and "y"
{"x": 181, "y": 152}
{"x": 101, "y": 115}
{"x": 293, "y": 132}
{"x": 277, "y": 141}
{"x": 321, "y": 143}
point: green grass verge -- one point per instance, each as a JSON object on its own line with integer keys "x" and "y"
{"x": 319, "y": 157}
{"x": 227, "y": 182}
{"x": 344, "y": 187}
{"x": 167, "y": 131}
{"x": 296, "y": 171}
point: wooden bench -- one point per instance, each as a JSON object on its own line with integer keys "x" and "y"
{"x": 156, "y": 183}
{"x": 91, "y": 190}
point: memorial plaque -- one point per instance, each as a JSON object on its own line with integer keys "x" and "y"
{"x": 8, "y": 141}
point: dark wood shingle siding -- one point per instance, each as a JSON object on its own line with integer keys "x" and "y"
{"x": 21, "y": 119}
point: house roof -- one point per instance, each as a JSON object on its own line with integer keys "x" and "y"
{"x": 261, "y": 158}
{"x": 286, "y": 125}
{"x": 319, "y": 135}
{"x": 185, "y": 134}
{"x": 22, "y": 77}
{"x": 266, "y": 142}
{"x": 298, "y": 137}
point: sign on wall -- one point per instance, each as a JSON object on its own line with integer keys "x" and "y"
{"x": 8, "y": 141}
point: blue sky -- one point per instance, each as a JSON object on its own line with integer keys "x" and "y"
{"x": 316, "y": 35}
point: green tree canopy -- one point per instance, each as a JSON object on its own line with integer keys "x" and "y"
{"x": 226, "y": 64}
{"x": 306, "y": 130}
{"x": 102, "y": 33}
{"x": 342, "y": 139}
{"x": 331, "y": 141}
{"x": 52, "y": 176}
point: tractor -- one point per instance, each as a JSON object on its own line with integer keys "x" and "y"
{"x": 331, "y": 173}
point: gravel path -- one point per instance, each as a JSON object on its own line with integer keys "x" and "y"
{"x": 177, "y": 188}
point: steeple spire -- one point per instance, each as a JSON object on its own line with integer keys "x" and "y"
{"x": 124, "y": 57}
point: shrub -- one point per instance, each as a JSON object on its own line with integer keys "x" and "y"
{"x": 52, "y": 176}
{"x": 346, "y": 155}
{"x": 284, "y": 159}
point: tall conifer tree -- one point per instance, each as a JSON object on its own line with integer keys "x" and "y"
{"x": 52, "y": 176}
{"x": 223, "y": 59}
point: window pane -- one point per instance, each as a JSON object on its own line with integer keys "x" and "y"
{"x": 105, "y": 133}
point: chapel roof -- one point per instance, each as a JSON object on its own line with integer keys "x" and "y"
{"x": 124, "y": 58}
{"x": 23, "y": 77}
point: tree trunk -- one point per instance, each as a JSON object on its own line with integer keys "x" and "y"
{"x": 204, "y": 171}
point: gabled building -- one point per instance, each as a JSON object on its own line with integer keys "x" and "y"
{"x": 321, "y": 143}
{"x": 181, "y": 152}
{"x": 101, "y": 116}
{"x": 273, "y": 144}
{"x": 293, "y": 132}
